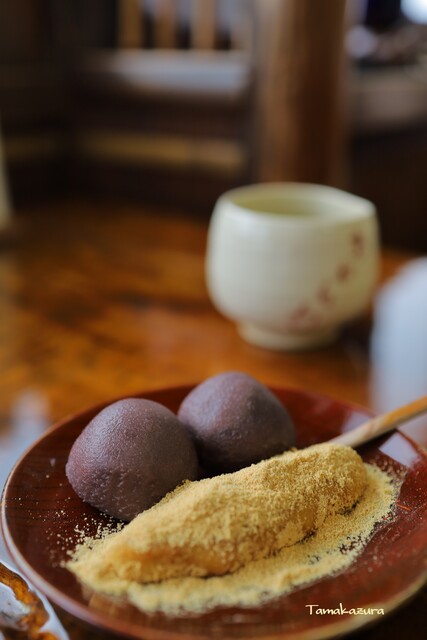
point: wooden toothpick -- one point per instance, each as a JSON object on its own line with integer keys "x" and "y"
{"x": 382, "y": 424}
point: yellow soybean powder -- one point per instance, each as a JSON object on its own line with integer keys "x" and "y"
{"x": 331, "y": 549}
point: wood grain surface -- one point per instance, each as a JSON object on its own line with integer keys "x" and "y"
{"x": 102, "y": 300}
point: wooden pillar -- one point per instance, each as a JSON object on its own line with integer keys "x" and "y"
{"x": 299, "y": 56}
{"x": 129, "y": 24}
{"x": 204, "y": 24}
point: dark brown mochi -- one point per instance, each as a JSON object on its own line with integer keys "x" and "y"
{"x": 129, "y": 456}
{"x": 235, "y": 421}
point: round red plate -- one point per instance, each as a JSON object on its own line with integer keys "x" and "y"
{"x": 41, "y": 517}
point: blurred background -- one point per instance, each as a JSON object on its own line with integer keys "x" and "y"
{"x": 171, "y": 102}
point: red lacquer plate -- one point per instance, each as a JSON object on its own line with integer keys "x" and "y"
{"x": 41, "y": 515}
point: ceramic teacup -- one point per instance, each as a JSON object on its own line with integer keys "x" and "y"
{"x": 291, "y": 262}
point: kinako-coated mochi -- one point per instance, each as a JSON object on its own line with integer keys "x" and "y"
{"x": 235, "y": 421}
{"x": 129, "y": 456}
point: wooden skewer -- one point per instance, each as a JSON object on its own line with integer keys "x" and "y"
{"x": 382, "y": 424}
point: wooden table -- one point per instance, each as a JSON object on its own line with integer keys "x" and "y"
{"x": 101, "y": 300}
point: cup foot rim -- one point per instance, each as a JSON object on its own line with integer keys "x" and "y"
{"x": 285, "y": 341}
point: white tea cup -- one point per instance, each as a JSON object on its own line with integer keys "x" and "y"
{"x": 291, "y": 262}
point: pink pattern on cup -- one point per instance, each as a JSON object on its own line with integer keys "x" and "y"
{"x": 300, "y": 312}
{"x": 304, "y": 314}
{"x": 343, "y": 272}
{"x": 358, "y": 244}
{"x": 324, "y": 295}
